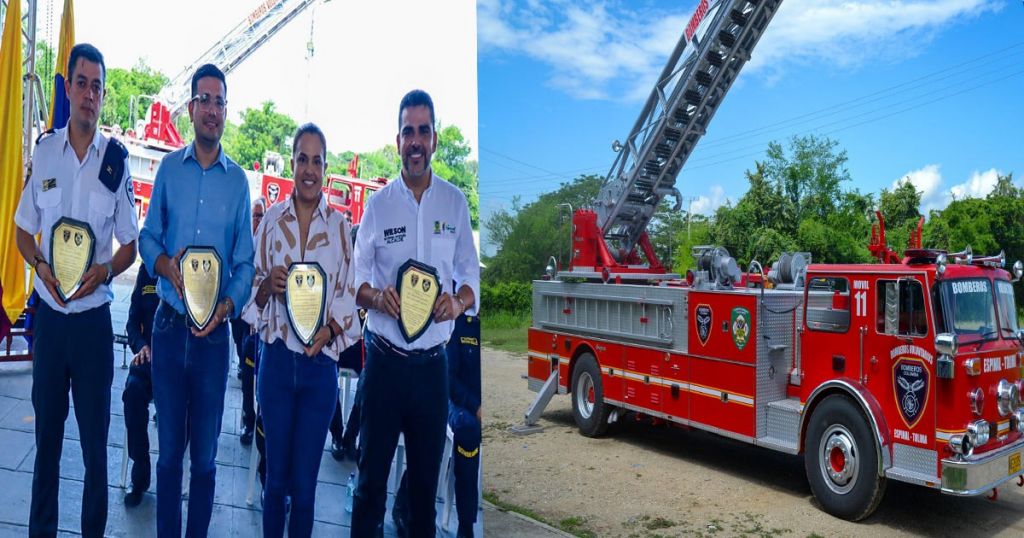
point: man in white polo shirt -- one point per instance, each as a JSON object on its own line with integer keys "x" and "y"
{"x": 419, "y": 217}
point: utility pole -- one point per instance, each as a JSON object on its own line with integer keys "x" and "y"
{"x": 689, "y": 215}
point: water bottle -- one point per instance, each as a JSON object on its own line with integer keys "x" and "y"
{"x": 351, "y": 489}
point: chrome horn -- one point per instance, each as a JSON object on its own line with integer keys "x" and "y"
{"x": 998, "y": 260}
{"x": 964, "y": 257}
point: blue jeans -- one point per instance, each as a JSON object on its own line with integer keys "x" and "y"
{"x": 190, "y": 376}
{"x": 297, "y": 394}
{"x": 401, "y": 393}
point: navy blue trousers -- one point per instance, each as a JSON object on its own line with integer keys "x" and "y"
{"x": 138, "y": 393}
{"x": 401, "y": 394}
{"x": 71, "y": 352}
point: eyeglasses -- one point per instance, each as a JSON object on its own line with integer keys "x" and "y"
{"x": 206, "y": 101}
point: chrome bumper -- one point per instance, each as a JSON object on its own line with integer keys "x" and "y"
{"x": 978, "y": 475}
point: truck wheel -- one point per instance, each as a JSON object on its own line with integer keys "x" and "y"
{"x": 588, "y": 406}
{"x": 841, "y": 460}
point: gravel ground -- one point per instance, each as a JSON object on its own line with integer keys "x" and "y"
{"x": 642, "y": 480}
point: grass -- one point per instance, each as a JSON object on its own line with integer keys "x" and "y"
{"x": 505, "y": 330}
{"x": 572, "y": 525}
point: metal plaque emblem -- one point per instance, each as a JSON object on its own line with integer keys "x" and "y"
{"x": 71, "y": 254}
{"x": 200, "y": 272}
{"x": 418, "y": 288}
{"x": 306, "y": 300}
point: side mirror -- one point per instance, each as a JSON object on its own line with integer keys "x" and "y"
{"x": 1018, "y": 270}
{"x": 946, "y": 346}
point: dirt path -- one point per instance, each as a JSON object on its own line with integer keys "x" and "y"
{"x": 657, "y": 481}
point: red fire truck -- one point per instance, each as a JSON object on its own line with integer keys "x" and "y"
{"x": 908, "y": 370}
{"x": 346, "y": 194}
{"x": 154, "y": 137}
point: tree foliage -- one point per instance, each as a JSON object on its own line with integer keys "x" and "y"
{"x": 796, "y": 201}
{"x": 262, "y": 129}
{"x": 126, "y": 87}
{"x": 527, "y": 236}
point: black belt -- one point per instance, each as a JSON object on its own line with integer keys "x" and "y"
{"x": 385, "y": 346}
{"x": 177, "y": 317}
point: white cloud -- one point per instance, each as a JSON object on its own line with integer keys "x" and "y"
{"x": 600, "y": 50}
{"x": 846, "y": 34}
{"x": 928, "y": 181}
{"x": 978, "y": 186}
{"x": 706, "y": 205}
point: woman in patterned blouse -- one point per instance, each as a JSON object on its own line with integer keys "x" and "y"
{"x": 297, "y": 382}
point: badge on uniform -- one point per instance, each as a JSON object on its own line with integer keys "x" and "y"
{"x": 49, "y": 183}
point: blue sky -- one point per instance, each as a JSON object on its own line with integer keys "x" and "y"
{"x": 931, "y": 90}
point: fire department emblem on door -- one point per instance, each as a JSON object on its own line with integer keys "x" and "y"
{"x": 702, "y": 315}
{"x": 910, "y": 386}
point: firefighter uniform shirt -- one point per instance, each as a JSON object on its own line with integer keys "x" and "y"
{"x": 63, "y": 186}
{"x": 436, "y": 231}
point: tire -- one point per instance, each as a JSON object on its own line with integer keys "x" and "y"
{"x": 841, "y": 460}
{"x": 588, "y": 406}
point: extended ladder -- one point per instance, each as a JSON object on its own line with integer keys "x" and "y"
{"x": 676, "y": 116}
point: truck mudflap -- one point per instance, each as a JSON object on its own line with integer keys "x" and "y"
{"x": 981, "y": 474}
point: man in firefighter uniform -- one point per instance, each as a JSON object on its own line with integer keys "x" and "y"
{"x": 80, "y": 174}
{"x": 138, "y": 388}
{"x": 420, "y": 217}
{"x": 464, "y": 418}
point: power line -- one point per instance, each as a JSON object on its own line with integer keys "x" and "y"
{"x": 745, "y": 152}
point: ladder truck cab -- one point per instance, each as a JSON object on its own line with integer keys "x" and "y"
{"x": 907, "y": 370}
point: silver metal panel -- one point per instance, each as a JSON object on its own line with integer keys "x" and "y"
{"x": 775, "y": 349}
{"x": 534, "y": 384}
{"x": 643, "y": 314}
{"x": 782, "y": 426}
{"x": 919, "y": 461}
{"x": 979, "y": 474}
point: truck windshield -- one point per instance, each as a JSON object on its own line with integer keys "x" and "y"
{"x": 1007, "y": 308}
{"x": 970, "y": 307}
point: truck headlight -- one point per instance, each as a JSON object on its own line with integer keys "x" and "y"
{"x": 1008, "y": 397}
{"x": 978, "y": 431}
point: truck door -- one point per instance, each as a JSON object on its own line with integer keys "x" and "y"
{"x": 900, "y": 364}
{"x": 830, "y": 344}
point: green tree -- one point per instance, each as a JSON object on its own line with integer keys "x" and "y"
{"x": 451, "y": 161}
{"x": 527, "y": 237}
{"x": 796, "y": 202}
{"x": 128, "y": 87}
{"x": 810, "y": 176}
{"x": 262, "y": 129}
{"x": 899, "y": 208}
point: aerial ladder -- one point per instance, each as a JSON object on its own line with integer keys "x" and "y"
{"x": 723, "y": 33}
{"x": 269, "y": 17}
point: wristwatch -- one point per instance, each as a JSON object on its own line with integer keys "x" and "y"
{"x": 110, "y": 273}
{"x": 38, "y": 260}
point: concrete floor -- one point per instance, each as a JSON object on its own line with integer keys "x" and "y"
{"x": 231, "y": 515}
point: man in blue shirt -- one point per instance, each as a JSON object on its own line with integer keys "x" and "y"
{"x": 200, "y": 198}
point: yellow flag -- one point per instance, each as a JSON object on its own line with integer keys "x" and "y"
{"x": 12, "y": 266}
{"x": 60, "y": 107}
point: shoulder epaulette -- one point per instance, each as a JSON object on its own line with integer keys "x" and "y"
{"x": 112, "y": 167}
{"x": 44, "y": 134}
